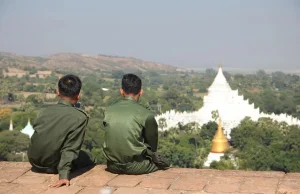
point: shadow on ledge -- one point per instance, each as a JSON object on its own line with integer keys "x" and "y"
{"x": 80, "y": 171}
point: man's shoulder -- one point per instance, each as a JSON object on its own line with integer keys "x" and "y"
{"x": 142, "y": 110}
{"x": 147, "y": 107}
{"x": 136, "y": 107}
{"x": 59, "y": 109}
{"x": 80, "y": 112}
{"x": 114, "y": 101}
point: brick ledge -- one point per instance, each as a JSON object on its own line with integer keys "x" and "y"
{"x": 16, "y": 177}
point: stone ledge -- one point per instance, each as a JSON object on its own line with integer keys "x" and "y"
{"x": 16, "y": 177}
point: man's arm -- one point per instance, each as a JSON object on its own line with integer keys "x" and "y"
{"x": 151, "y": 132}
{"x": 70, "y": 149}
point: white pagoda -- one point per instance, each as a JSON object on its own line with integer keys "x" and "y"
{"x": 28, "y": 130}
{"x": 231, "y": 107}
{"x": 11, "y": 126}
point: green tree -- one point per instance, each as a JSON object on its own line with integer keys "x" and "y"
{"x": 223, "y": 165}
{"x": 34, "y": 99}
{"x": 162, "y": 123}
{"x": 11, "y": 143}
{"x": 208, "y": 130}
{"x": 263, "y": 145}
{"x": 215, "y": 115}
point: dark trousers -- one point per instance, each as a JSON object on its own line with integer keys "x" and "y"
{"x": 134, "y": 168}
{"x": 84, "y": 159}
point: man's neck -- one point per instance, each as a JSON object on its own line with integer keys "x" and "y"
{"x": 135, "y": 97}
{"x": 68, "y": 99}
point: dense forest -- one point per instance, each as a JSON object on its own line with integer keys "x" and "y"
{"x": 261, "y": 145}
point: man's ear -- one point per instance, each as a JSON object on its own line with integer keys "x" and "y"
{"x": 57, "y": 92}
{"x": 141, "y": 92}
{"x": 78, "y": 96}
{"x": 122, "y": 92}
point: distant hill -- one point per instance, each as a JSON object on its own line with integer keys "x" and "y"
{"x": 81, "y": 62}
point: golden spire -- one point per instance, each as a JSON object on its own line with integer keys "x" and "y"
{"x": 220, "y": 143}
{"x": 220, "y": 65}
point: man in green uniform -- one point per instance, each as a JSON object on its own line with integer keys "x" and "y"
{"x": 131, "y": 133}
{"x": 58, "y": 134}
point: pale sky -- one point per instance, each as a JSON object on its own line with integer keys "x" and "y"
{"x": 186, "y": 33}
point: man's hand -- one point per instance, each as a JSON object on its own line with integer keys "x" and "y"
{"x": 60, "y": 183}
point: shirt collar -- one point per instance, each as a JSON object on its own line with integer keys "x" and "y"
{"x": 65, "y": 102}
{"x": 130, "y": 98}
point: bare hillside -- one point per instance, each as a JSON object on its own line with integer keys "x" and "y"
{"x": 81, "y": 62}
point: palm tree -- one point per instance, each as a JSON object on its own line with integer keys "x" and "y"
{"x": 215, "y": 115}
{"x": 162, "y": 123}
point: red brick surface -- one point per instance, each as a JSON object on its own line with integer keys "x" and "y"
{"x": 9, "y": 174}
{"x": 289, "y": 185}
{"x": 65, "y": 190}
{"x": 17, "y": 178}
{"x": 126, "y": 181}
{"x": 165, "y": 174}
{"x": 224, "y": 185}
{"x": 90, "y": 190}
{"x": 126, "y": 190}
{"x": 241, "y": 173}
{"x": 94, "y": 190}
{"x": 156, "y": 182}
{"x": 6, "y": 187}
{"x": 31, "y": 180}
{"x": 190, "y": 182}
{"x": 29, "y": 188}
{"x": 163, "y": 191}
{"x": 260, "y": 185}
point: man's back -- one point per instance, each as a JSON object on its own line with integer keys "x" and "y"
{"x": 53, "y": 129}
{"x": 125, "y": 124}
{"x": 131, "y": 132}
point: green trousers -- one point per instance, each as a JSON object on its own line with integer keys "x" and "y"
{"x": 84, "y": 159}
{"x": 134, "y": 168}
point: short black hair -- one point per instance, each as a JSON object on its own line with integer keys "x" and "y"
{"x": 131, "y": 84}
{"x": 69, "y": 85}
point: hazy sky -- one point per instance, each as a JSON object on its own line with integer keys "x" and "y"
{"x": 190, "y": 33}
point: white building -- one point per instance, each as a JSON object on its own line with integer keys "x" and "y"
{"x": 28, "y": 130}
{"x": 11, "y": 126}
{"x": 231, "y": 107}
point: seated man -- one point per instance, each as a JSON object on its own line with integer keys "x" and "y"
{"x": 58, "y": 134}
{"x": 131, "y": 133}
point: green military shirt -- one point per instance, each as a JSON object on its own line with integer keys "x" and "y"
{"x": 59, "y": 132}
{"x": 129, "y": 128}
